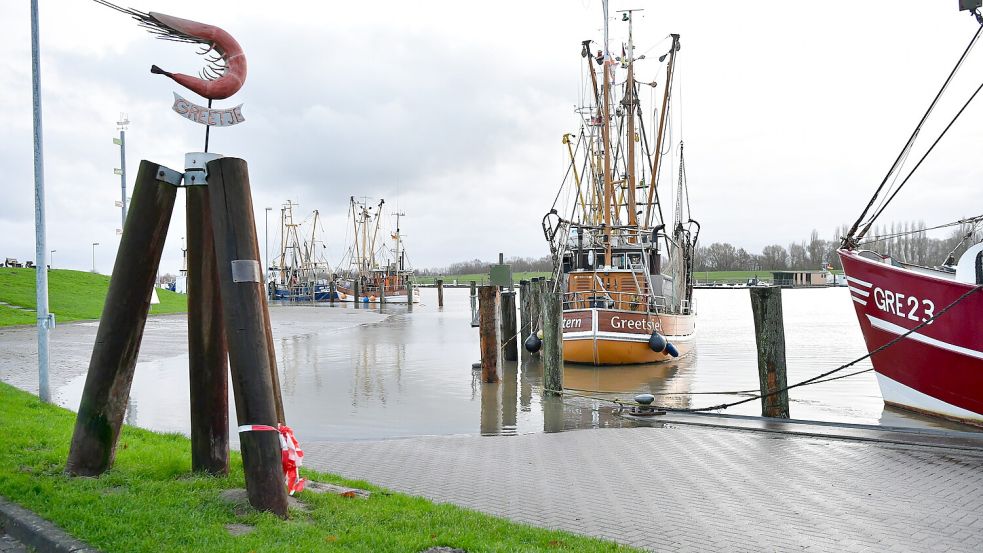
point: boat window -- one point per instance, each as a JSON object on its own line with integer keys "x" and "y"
{"x": 618, "y": 260}
{"x": 635, "y": 259}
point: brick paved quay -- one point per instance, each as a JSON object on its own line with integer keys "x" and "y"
{"x": 691, "y": 488}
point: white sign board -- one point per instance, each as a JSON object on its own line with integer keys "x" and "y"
{"x": 207, "y": 116}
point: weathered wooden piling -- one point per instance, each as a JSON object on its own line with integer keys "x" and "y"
{"x": 114, "y": 356}
{"x": 769, "y": 333}
{"x": 243, "y": 306}
{"x": 357, "y": 292}
{"x": 332, "y": 290}
{"x": 535, "y": 305}
{"x": 510, "y": 343}
{"x": 488, "y": 330}
{"x": 524, "y": 328}
{"x": 409, "y": 293}
{"x": 208, "y": 361}
{"x": 552, "y": 314}
{"x": 440, "y": 292}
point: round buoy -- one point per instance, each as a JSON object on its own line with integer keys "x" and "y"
{"x": 365, "y": 299}
{"x": 657, "y": 342}
{"x": 671, "y": 350}
{"x": 533, "y": 343}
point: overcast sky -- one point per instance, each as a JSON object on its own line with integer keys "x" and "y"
{"x": 792, "y": 112}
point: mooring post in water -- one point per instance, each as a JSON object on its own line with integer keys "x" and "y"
{"x": 409, "y": 293}
{"x": 552, "y": 313}
{"x": 524, "y": 328}
{"x": 243, "y": 306}
{"x": 769, "y": 333}
{"x": 356, "y": 291}
{"x": 510, "y": 344}
{"x": 114, "y": 356}
{"x": 488, "y": 330}
{"x": 535, "y": 305}
{"x": 332, "y": 290}
{"x": 208, "y": 359}
{"x": 440, "y": 292}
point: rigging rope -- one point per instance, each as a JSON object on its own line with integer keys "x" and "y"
{"x": 917, "y": 165}
{"x": 849, "y": 239}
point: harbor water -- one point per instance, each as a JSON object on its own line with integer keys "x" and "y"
{"x": 410, "y": 373}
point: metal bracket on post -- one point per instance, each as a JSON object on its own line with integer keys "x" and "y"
{"x": 195, "y": 170}
{"x": 170, "y": 176}
{"x": 195, "y": 163}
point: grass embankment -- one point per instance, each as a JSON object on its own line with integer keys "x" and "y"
{"x": 151, "y": 501}
{"x": 72, "y": 296}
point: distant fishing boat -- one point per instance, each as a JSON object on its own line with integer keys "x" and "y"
{"x": 375, "y": 272}
{"x": 300, "y": 272}
{"x": 934, "y": 314}
{"x": 627, "y": 281}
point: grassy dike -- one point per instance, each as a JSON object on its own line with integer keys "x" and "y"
{"x": 72, "y": 296}
{"x": 151, "y": 501}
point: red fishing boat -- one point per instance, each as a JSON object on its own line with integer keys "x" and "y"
{"x": 938, "y": 368}
{"x": 923, "y": 325}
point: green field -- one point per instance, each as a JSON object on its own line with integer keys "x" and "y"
{"x": 701, "y": 276}
{"x": 479, "y": 278}
{"x": 151, "y": 501}
{"x": 72, "y": 296}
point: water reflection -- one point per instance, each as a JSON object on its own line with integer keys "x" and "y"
{"x": 411, "y": 375}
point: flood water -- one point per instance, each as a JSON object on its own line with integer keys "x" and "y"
{"x": 411, "y": 375}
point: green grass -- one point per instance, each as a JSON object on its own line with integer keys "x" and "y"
{"x": 151, "y": 501}
{"x": 72, "y": 295}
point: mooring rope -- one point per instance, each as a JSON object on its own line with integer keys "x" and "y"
{"x": 813, "y": 380}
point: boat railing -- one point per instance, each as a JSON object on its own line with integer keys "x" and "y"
{"x": 623, "y": 301}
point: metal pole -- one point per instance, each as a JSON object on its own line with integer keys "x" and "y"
{"x": 266, "y": 237}
{"x": 94, "y": 244}
{"x": 122, "y": 123}
{"x": 40, "y": 236}
{"x": 51, "y": 258}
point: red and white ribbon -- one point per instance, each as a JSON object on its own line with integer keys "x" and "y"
{"x": 291, "y": 455}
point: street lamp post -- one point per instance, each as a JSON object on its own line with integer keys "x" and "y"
{"x": 94, "y": 244}
{"x": 51, "y": 258}
{"x": 44, "y": 320}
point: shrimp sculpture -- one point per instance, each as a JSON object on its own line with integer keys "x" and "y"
{"x": 225, "y": 72}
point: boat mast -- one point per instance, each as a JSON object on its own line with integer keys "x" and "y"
{"x": 606, "y": 133}
{"x": 630, "y": 100}
{"x": 662, "y": 126}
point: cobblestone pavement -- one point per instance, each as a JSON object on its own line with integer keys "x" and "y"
{"x": 10, "y": 545}
{"x": 692, "y": 489}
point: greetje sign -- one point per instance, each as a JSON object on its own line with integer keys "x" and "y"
{"x": 207, "y": 116}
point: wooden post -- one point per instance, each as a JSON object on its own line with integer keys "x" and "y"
{"x": 332, "y": 290}
{"x": 510, "y": 349}
{"x": 535, "y": 305}
{"x": 409, "y": 293}
{"x": 488, "y": 329}
{"x": 523, "y": 316}
{"x": 358, "y": 297}
{"x": 440, "y": 292}
{"x": 208, "y": 359}
{"x": 769, "y": 333}
{"x": 552, "y": 340}
{"x": 474, "y": 304}
{"x": 244, "y": 309}
{"x": 114, "y": 356}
